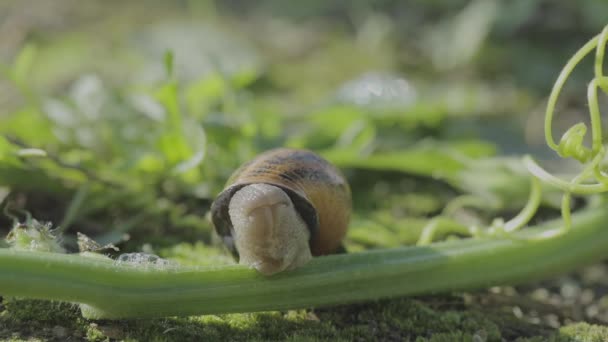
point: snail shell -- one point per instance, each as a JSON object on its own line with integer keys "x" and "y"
{"x": 282, "y": 208}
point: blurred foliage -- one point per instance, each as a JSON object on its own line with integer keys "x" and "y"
{"x": 136, "y": 131}
{"x": 124, "y": 120}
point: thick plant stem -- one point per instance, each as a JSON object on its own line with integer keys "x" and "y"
{"x": 119, "y": 291}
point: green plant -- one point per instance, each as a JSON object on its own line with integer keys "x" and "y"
{"x": 571, "y": 144}
{"x": 143, "y": 286}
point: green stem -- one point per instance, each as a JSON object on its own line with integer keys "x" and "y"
{"x": 579, "y": 189}
{"x": 559, "y": 84}
{"x": 599, "y": 53}
{"x": 467, "y": 200}
{"x": 119, "y": 291}
{"x": 526, "y": 214}
{"x": 594, "y": 112}
{"x": 441, "y": 225}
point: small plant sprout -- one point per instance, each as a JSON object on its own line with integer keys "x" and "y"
{"x": 33, "y": 235}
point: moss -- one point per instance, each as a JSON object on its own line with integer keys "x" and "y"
{"x": 431, "y": 319}
{"x": 95, "y": 334}
{"x": 406, "y": 319}
{"x": 576, "y": 332}
{"x": 582, "y": 332}
{"x": 401, "y": 319}
{"x": 44, "y": 320}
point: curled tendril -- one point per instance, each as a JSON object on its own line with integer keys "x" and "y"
{"x": 571, "y": 144}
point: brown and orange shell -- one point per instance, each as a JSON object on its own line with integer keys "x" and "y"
{"x": 317, "y": 189}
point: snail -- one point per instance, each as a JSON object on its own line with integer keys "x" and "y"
{"x": 282, "y": 208}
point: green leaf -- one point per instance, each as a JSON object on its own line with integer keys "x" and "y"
{"x": 7, "y": 150}
{"x": 432, "y": 159}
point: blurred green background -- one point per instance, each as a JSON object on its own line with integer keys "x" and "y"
{"x": 122, "y": 120}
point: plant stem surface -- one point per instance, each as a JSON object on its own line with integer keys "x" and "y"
{"x": 114, "y": 290}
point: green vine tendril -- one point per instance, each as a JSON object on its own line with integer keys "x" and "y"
{"x": 592, "y": 179}
{"x": 571, "y": 145}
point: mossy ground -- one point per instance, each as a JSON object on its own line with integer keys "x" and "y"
{"x": 432, "y": 319}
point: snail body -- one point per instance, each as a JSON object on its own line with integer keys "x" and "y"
{"x": 281, "y": 209}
